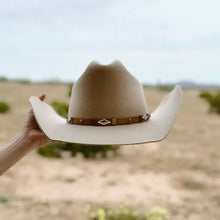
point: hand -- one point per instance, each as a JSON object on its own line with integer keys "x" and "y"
{"x": 32, "y": 132}
{"x": 29, "y": 138}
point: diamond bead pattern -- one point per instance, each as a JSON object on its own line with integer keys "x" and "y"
{"x": 104, "y": 122}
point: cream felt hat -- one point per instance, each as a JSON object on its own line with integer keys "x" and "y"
{"x": 108, "y": 106}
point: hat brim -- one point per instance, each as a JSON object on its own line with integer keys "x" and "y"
{"x": 156, "y": 128}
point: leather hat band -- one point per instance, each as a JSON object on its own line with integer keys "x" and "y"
{"x": 109, "y": 121}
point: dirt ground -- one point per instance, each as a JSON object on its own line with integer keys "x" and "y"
{"x": 181, "y": 173}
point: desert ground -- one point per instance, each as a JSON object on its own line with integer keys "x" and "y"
{"x": 181, "y": 173}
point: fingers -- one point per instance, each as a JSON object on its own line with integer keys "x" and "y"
{"x": 42, "y": 97}
{"x": 31, "y": 114}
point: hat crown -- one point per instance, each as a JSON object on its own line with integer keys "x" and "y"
{"x": 107, "y": 91}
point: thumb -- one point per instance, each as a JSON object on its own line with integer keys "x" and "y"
{"x": 42, "y": 97}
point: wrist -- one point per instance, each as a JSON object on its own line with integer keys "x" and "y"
{"x": 24, "y": 138}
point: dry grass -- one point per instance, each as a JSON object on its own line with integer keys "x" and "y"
{"x": 182, "y": 171}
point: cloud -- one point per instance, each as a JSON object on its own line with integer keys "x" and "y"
{"x": 179, "y": 38}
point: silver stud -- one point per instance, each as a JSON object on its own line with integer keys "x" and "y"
{"x": 146, "y": 116}
{"x": 129, "y": 119}
{"x": 104, "y": 122}
{"x": 80, "y": 120}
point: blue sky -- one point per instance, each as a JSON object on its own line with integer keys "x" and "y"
{"x": 157, "y": 40}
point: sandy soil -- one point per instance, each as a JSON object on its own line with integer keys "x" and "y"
{"x": 181, "y": 173}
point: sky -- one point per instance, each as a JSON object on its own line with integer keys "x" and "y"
{"x": 158, "y": 41}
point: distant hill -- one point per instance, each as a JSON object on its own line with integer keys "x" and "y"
{"x": 191, "y": 84}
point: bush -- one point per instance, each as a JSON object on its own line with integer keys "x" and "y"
{"x": 126, "y": 213}
{"x": 166, "y": 88}
{"x": 3, "y": 79}
{"x": 51, "y": 150}
{"x": 61, "y": 108}
{"x": 4, "y": 198}
{"x": 88, "y": 151}
{"x": 59, "y": 149}
{"x": 23, "y": 81}
{"x": 212, "y": 99}
{"x": 70, "y": 86}
{"x": 4, "y": 107}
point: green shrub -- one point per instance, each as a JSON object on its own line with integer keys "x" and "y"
{"x": 61, "y": 108}
{"x": 51, "y": 150}
{"x": 126, "y": 213}
{"x": 3, "y": 79}
{"x": 157, "y": 213}
{"x": 4, "y": 107}
{"x": 88, "y": 151}
{"x": 58, "y": 149}
{"x": 23, "y": 81}
{"x": 4, "y": 198}
{"x": 213, "y": 100}
{"x": 192, "y": 184}
{"x": 166, "y": 88}
{"x": 70, "y": 86}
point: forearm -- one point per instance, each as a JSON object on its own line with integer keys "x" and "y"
{"x": 13, "y": 152}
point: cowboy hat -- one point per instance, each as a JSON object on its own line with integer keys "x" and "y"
{"x": 108, "y": 106}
